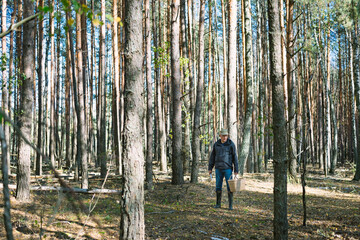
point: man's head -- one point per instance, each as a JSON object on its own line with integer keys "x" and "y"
{"x": 224, "y": 134}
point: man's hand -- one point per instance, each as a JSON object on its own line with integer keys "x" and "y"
{"x": 210, "y": 171}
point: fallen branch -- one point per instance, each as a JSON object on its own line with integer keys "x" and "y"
{"x": 64, "y": 189}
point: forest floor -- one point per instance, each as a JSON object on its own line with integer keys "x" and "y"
{"x": 186, "y": 211}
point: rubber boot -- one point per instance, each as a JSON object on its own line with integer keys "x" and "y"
{"x": 230, "y": 195}
{"x": 218, "y": 199}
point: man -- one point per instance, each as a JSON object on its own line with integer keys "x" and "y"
{"x": 224, "y": 157}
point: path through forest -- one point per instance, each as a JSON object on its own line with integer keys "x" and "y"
{"x": 186, "y": 212}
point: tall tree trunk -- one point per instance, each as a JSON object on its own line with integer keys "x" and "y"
{"x": 27, "y": 96}
{"x": 261, "y": 79}
{"x": 5, "y": 82}
{"x": 291, "y": 90}
{"x": 101, "y": 153}
{"x": 51, "y": 86}
{"x": 38, "y": 169}
{"x": 6, "y": 191}
{"x": 279, "y": 124}
{"x": 149, "y": 94}
{"x": 116, "y": 90}
{"x": 11, "y": 76}
{"x": 161, "y": 103}
{"x": 186, "y": 145}
{"x": 231, "y": 118}
{"x": 199, "y": 90}
{"x": 356, "y": 66}
{"x": 225, "y": 59}
{"x": 245, "y": 149}
{"x": 177, "y": 166}
{"x": 68, "y": 79}
{"x": 79, "y": 90}
{"x": 132, "y": 202}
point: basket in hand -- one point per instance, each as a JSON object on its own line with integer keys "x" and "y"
{"x": 236, "y": 184}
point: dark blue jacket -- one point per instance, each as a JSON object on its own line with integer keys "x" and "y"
{"x": 223, "y": 156}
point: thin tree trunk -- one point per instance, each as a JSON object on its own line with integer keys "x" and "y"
{"x": 6, "y": 191}
{"x": 186, "y": 145}
{"x": 225, "y": 59}
{"x": 51, "y": 86}
{"x": 245, "y": 148}
{"x": 291, "y": 90}
{"x": 102, "y": 98}
{"x": 231, "y": 118}
{"x": 11, "y": 76}
{"x": 27, "y": 96}
{"x": 38, "y": 169}
{"x": 5, "y": 81}
{"x": 197, "y": 113}
{"x": 68, "y": 79}
{"x": 78, "y": 86}
{"x": 177, "y": 166}
{"x": 116, "y": 89}
{"x": 149, "y": 87}
{"x": 132, "y": 202}
{"x": 279, "y": 124}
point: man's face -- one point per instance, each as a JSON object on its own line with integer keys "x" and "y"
{"x": 223, "y": 138}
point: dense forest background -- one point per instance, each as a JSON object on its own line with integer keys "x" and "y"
{"x": 121, "y": 88}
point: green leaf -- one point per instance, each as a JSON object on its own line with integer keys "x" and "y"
{"x": 96, "y": 22}
{"x": 109, "y": 17}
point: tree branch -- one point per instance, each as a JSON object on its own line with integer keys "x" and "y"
{"x": 15, "y": 26}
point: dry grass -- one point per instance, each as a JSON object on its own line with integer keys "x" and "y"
{"x": 186, "y": 212}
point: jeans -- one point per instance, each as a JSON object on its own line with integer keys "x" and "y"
{"x": 220, "y": 174}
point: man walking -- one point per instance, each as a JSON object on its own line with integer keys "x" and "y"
{"x": 224, "y": 158}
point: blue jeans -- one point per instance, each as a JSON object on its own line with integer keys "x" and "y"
{"x": 220, "y": 174}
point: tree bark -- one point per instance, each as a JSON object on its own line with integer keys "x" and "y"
{"x": 149, "y": 95}
{"x": 6, "y": 191}
{"x": 5, "y": 82}
{"x": 116, "y": 90}
{"x": 197, "y": 112}
{"x": 68, "y": 79}
{"x": 231, "y": 118}
{"x": 291, "y": 90}
{"x": 132, "y": 202}
{"x": 225, "y": 66}
{"x": 38, "y": 169}
{"x": 279, "y": 124}
{"x": 245, "y": 148}
{"x": 101, "y": 153}
{"x": 79, "y": 90}
{"x": 177, "y": 166}
{"x": 356, "y": 65}
{"x": 26, "y": 107}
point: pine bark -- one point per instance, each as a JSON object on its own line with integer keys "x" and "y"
{"x": 279, "y": 124}
{"x": 245, "y": 148}
{"x": 5, "y": 81}
{"x": 116, "y": 89}
{"x": 79, "y": 90}
{"x": 356, "y": 66}
{"x": 68, "y": 79}
{"x": 101, "y": 152}
{"x": 149, "y": 96}
{"x": 177, "y": 166}
{"x": 38, "y": 169}
{"x": 225, "y": 66}
{"x": 132, "y": 202}
{"x": 231, "y": 118}
{"x": 199, "y": 90}
{"x": 291, "y": 90}
{"x": 26, "y": 107}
